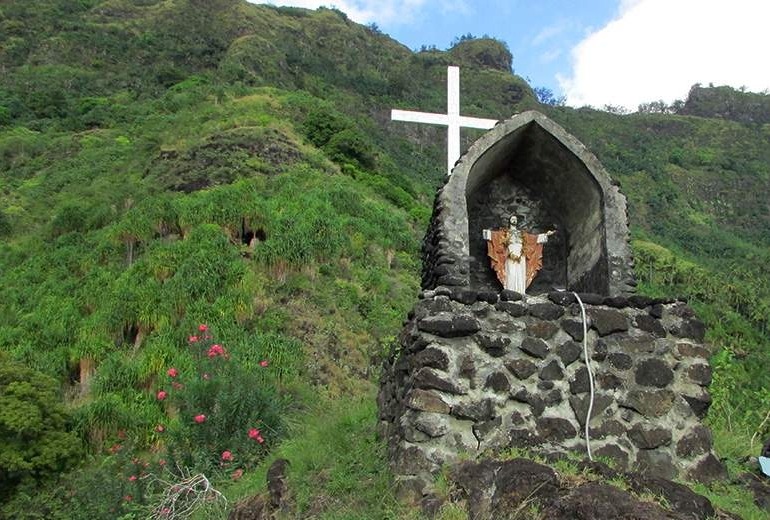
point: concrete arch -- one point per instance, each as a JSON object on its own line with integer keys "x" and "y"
{"x": 541, "y": 156}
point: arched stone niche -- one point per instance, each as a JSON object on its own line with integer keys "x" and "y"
{"x": 530, "y": 166}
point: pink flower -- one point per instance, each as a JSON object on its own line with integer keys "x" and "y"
{"x": 177, "y": 386}
{"x": 216, "y": 350}
{"x": 254, "y": 433}
{"x": 161, "y": 395}
{"x": 162, "y": 462}
{"x": 200, "y": 418}
{"x": 227, "y": 456}
{"x": 165, "y": 511}
{"x": 160, "y": 428}
{"x": 260, "y": 440}
{"x": 238, "y": 473}
{"x": 132, "y": 478}
{"x": 193, "y": 339}
{"x": 263, "y": 363}
{"x": 203, "y": 327}
{"x": 172, "y": 372}
{"x": 128, "y": 498}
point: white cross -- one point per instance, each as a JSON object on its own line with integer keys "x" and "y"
{"x": 452, "y": 119}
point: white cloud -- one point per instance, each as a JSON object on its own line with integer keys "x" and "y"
{"x": 378, "y": 11}
{"x": 657, "y": 49}
{"x": 627, "y": 5}
{"x": 454, "y": 6}
{"x": 548, "y": 33}
{"x": 549, "y": 56}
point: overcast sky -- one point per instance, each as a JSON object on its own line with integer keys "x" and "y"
{"x": 595, "y": 52}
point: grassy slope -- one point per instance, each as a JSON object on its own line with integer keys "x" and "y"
{"x": 115, "y": 114}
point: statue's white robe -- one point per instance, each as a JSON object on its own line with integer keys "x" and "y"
{"x": 516, "y": 262}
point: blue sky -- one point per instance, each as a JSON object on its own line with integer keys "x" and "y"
{"x": 539, "y": 34}
{"x": 594, "y": 52}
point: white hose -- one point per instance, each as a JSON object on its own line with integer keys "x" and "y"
{"x": 590, "y": 373}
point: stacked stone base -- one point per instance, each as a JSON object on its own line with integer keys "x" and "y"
{"x": 486, "y": 372}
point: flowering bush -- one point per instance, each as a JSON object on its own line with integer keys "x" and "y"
{"x": 222, "y": 416}
{"x": 220, "y": 420}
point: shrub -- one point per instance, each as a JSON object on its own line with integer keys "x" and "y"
{"x": 5, "y": 224}
{"x": 226, "y": 415}
{"x": 322, "y": 124}
{"x": 5, "y": 115}
{"x": 350, "y": 145}
{"x": 338, "y": 137}
{"x": 34, "y": 439}
{"x": 71, "y": 217}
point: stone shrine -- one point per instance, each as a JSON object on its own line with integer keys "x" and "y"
{"x": 479, "y": 369}
{"x": 529, "y": 166}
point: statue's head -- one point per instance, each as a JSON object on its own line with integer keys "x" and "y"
{"x": 513, "y": 221}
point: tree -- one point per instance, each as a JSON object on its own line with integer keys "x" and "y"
{"x": 34, "y": 441}
{"x": 462, "y": 38}
{"x": 615, "y": 109}
{"x": 655, "y": 107}
{"x": 546, "y": 96}
{"x": 677, "y": 106}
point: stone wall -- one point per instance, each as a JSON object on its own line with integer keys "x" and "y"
{"x": 480, "y": 371}
{"x": 443, "y": 262}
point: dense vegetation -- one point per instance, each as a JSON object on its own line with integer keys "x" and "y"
{"x": 171, "y": 163}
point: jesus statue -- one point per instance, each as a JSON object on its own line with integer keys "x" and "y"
{"x": 516, "y": 255}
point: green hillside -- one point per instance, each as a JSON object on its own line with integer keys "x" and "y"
{"x": 167, "y": 164}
